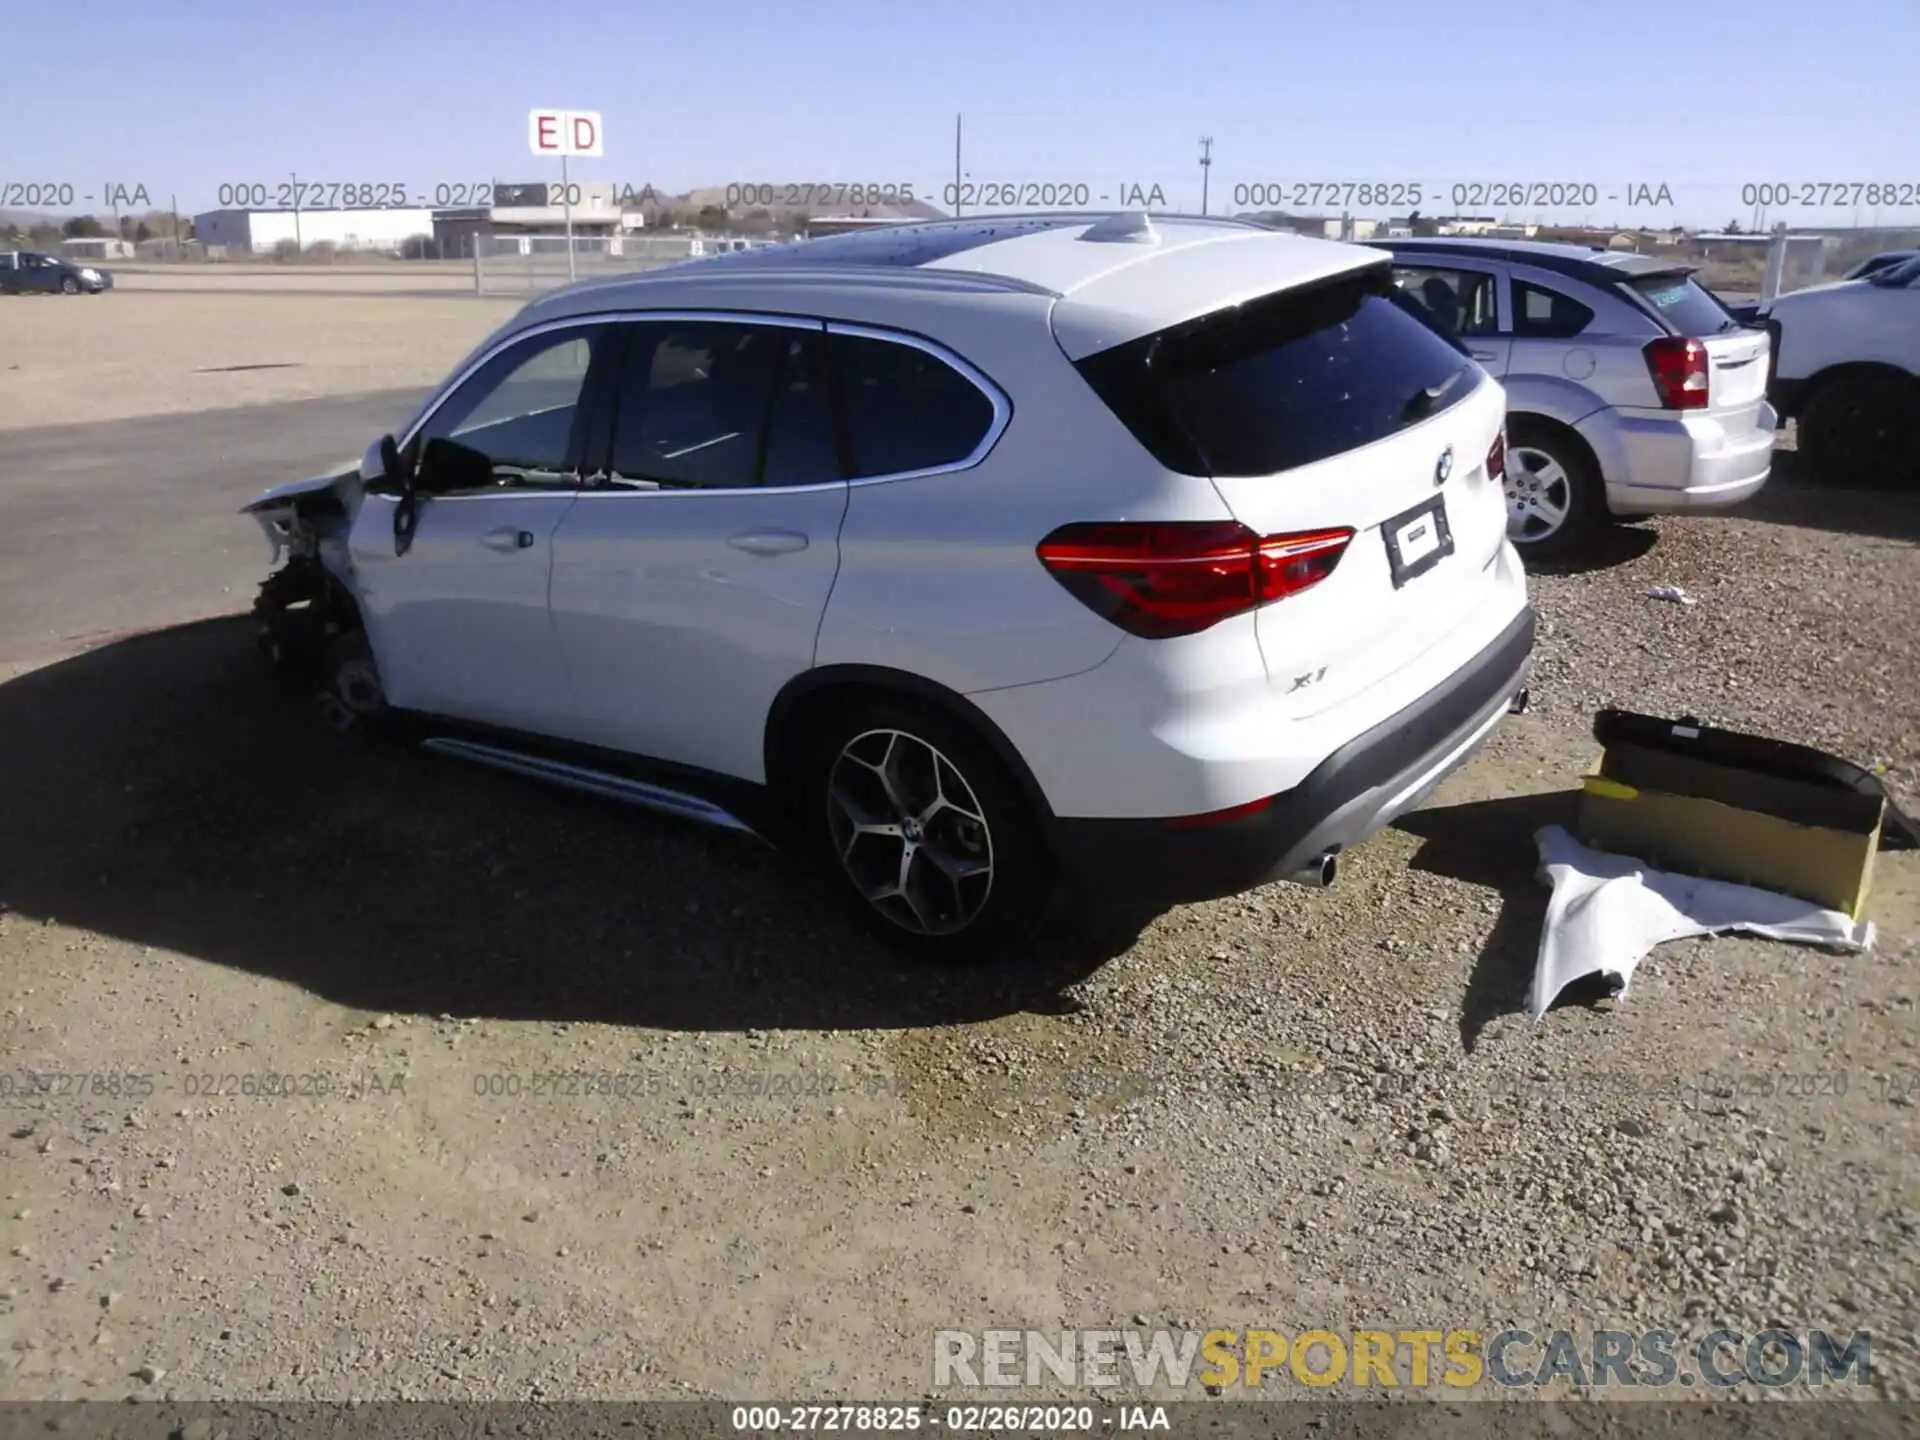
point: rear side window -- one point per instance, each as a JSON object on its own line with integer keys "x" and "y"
{"x": 1547, "y": 314}
{"x": 904, "y": 409}
{"x": 1284, "y": 380}
{"x": 1687, "y": 306}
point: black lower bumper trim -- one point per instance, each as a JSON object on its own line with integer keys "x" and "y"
{"x": 1356, "y": 790}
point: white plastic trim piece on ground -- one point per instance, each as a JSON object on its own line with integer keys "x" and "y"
{"x": 1608, "y": 911}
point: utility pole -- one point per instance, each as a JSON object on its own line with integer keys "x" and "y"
{"x": 957, "y": 191}
{"x": 296, "y": 212}
{"x": 566, "y": 199}
{"x": 1206, "y": 167}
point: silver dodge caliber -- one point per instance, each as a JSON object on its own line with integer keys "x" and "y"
{"x": 1631, "y": 390}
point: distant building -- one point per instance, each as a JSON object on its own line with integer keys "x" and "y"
{"x": 528, "y": 210}
{"x": 97, "y": 247}
{"x": 1466, "y": 224}
{"x": 261, "y": 232}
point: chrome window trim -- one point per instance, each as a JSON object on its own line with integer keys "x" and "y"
{"x": 576, "y": 322}
{"x": 1002, "y": 406}
{"x": 996, "y": 397}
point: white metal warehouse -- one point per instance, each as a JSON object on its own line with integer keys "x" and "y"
{"x": 262, "y": 231}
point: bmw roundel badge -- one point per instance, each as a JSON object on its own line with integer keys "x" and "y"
{"x": 1443, "y": 467}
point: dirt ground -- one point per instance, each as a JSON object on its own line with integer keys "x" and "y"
{"x": 67, "y": 359}
{"x": 342, "y": 1001}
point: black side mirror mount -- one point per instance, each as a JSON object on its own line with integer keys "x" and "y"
{"x": 406, "y": 514}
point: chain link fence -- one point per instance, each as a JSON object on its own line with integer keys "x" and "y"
{"x": 511, "y": 265}
{"x": 1794, "y": 262}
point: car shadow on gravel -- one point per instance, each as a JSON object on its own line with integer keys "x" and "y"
{"x": 162, "y": 790}
{"x": 1609, "y": 546}
{"x": 1794, "y": 497}
{"x": 1490, "y": 843}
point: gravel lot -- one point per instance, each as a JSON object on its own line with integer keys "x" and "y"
{"x": 1294, "y": 1108}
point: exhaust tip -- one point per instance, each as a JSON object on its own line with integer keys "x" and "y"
{"x": 1320, "y": 874}
{"x": 1521, "y": 700}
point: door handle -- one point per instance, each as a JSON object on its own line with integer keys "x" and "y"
{"x": 1484, "y": 354}
{"x": 507, "y": 537}
{"x": 769, "y": 542}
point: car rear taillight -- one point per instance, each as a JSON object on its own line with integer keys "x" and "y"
{"x": 1158, "y": 579}
{"x": 1678, "y": 364}
{"x": 1497, "y": 456}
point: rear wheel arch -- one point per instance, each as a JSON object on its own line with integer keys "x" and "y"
{"x": 1851, "y": 372}
{"x": 1546, "y": 425}
{"x": 1860, "y": 422}
{"x": 1583, "y": 479}
{"x": 810, "y": 698}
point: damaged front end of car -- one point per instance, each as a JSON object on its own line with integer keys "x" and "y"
{"x": 307, "y": 622}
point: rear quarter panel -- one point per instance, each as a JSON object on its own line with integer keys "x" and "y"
{"x": 939, "y": 576}
{"x": 1845, "y": 325}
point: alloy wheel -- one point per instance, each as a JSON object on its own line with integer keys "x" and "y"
{"x": 1539, "y": 495}
{"x": 909, "y": 832}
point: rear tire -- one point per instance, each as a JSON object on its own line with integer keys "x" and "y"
{"x": 922, "y": 830}
{"x": 1555, "y": 501}
{"x": 1859, "y": 431}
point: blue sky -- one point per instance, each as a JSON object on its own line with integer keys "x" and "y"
{"x": 183, "y": 95}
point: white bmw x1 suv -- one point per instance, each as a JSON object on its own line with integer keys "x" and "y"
{"x": 1164, "y": 557}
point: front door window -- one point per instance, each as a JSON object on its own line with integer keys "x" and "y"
{"x": 517, "y": 423}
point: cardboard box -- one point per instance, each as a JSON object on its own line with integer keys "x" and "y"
{"x": 1724, "y": 820}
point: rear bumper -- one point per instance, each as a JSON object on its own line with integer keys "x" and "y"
{"x": 1360, "y": 788}
{"x": 1669, "y": 466}
{"x": 1789, "y": 397}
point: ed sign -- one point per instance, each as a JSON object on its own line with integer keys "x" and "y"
{"x": 565, "y": 132}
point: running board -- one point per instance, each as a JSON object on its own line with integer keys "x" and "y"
{"x": 592, "y": 782}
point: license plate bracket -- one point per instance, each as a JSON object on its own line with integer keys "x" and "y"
{"x": 1417, "y": 540}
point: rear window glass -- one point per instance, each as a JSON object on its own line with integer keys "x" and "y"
{"x": 1283, "y": 381}
{"x": 905, "y": 410}
{"x": 1538, "y": 311}
{"x": 1686, "y": 305}
{"x": 1901, "y": 273}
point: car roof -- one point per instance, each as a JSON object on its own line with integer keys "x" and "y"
{"x": 1594, "y": 265}
{"x": 1109, "y": 278}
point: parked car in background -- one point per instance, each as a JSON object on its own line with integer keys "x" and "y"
{"x": 1885, "y": 260}
{"x": 32, "y": 272}
{"x": 1631, "y": 390}
{"x": 1847, "y": 371}
{"x": 1167, "y": 556}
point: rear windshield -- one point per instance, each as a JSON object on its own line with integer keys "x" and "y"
{"x": 1690, "y": 308}
{"x": 1284, "y": 380}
